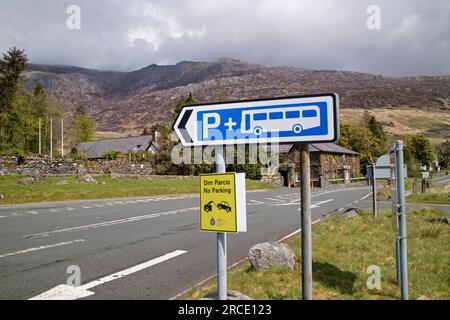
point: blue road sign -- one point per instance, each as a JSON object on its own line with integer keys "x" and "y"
{"x": 312, "y": 118}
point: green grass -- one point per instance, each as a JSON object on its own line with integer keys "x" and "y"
{"x": 437, "y": 198}
{"x": 47, "y": 190}
{"x": 343, "y": 250}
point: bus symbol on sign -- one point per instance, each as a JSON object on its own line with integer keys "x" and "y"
{"x": 289, "y": 119}
{"x": 271, "y": 120}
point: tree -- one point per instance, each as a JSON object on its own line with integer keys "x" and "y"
{"x": 183, "y": 102}
{"x": 361, "y": 139}
{"x": 12, "y": 65}
{"x": 443, "y": 154}
{"x": 145, "y": 132}
{"x": 84, "y": 126}
{"x": 420, "y": 148}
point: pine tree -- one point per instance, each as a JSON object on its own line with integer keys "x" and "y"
{"x": 12, "y": 65}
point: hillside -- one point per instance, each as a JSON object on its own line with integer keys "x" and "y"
{"x": 125, "y": 102}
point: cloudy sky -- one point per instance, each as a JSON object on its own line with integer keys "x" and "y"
{"x": 327, "y": 34}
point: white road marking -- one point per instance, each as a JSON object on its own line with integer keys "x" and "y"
{"x": 33, "y": 212}
{"x": 256, "y": 202}
{"x": 317, "y": 204}
{"x": 70, "y": 208}
{"x": 444, "y": 181}
{"x": 2, "y": 217}
{"x": 109, "y": 223}
{"x": 109, "y": 204}
{"x": 278, "y": 200}
{"x": 54, "y": 210}
{"x": 66, "y": 292}
{"x": 98, "y": 205}
{"x": 86, "y": 207}
{"x": 40, "y": 248}
{"x": 366, "y": 196}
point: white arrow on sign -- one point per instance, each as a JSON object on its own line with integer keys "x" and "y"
{"x": 313, "y": 118}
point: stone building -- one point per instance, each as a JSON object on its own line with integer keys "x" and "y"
{"x": 97, "y": 149}
{"x": 328, "y": 161}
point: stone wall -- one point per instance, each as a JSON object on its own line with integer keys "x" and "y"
{"x": 275, "y": 179}
{"x": 64, "y": 167}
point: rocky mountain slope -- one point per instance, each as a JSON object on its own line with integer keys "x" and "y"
{"x": 128, "y": 101}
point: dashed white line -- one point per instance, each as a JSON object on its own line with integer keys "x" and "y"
{"x": 54, "y": 210}
{"x": 40, "y": 248}
{"x": 33, "y": 212}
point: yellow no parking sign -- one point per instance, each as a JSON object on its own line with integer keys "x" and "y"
{"x": 223, "y": 202}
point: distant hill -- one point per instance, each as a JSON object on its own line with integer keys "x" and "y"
{"x": 126, "y": 102}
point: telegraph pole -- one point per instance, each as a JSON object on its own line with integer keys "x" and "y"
{"x": 62, "y": 137}
{"x": 51, "y": 138}
{"x": 40, "y": 143}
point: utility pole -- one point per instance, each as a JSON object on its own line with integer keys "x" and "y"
{"x": 221, "y": 238}
{"x": 51, "y": 138}
{"x": 62, "y": 137}
{"x": 305, "y": 201}
{"x": 40, "y": 143}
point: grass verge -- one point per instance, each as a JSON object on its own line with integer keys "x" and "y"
{"x": 49, "y": 190}
{"x": 343, "y": 249}
{"x": 438, "y": 195}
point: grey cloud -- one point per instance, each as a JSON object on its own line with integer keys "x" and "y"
{"x": 326, "y": 34}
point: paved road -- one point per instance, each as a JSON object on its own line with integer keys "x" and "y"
{"x": 39, "y": 242}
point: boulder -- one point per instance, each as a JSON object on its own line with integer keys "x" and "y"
{"x": 231, "y": 295}
{"x": 3, "y": 171}
{"x": 271, "y": 254}
{"x": 81, "y": 171}
{"x": 2, "y": 196}
{"x": 26, "y": 181}
{"x": 114, "y": 176}
{"x": 350, "y": 213}
{"x": 36, "y": 175}
{"x": 87, "y": 179}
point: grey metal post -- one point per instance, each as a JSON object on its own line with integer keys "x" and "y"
{"x": 374, "y": 192}
{"x": 221, "y": 238}
{"x": 305, "y": 201}
{"x": 401, "y": 219}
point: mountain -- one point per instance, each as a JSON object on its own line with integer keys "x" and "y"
{"x": 126, "y": 102}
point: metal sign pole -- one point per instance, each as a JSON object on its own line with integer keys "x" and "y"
{"x": 401, "y": 219}
{"x": 305, "y": 201}
{"x": 374, "y": 192}
{"x": 221, "y": 238}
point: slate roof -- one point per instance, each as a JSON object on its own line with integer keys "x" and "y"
{"x": 96, "y": 149}
{"x": 318, "y": 147}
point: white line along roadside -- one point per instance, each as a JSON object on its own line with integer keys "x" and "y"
{"x": 40, "y": 248}
{"x": 66, "y": 292}
{"x": 110, "y": 222}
